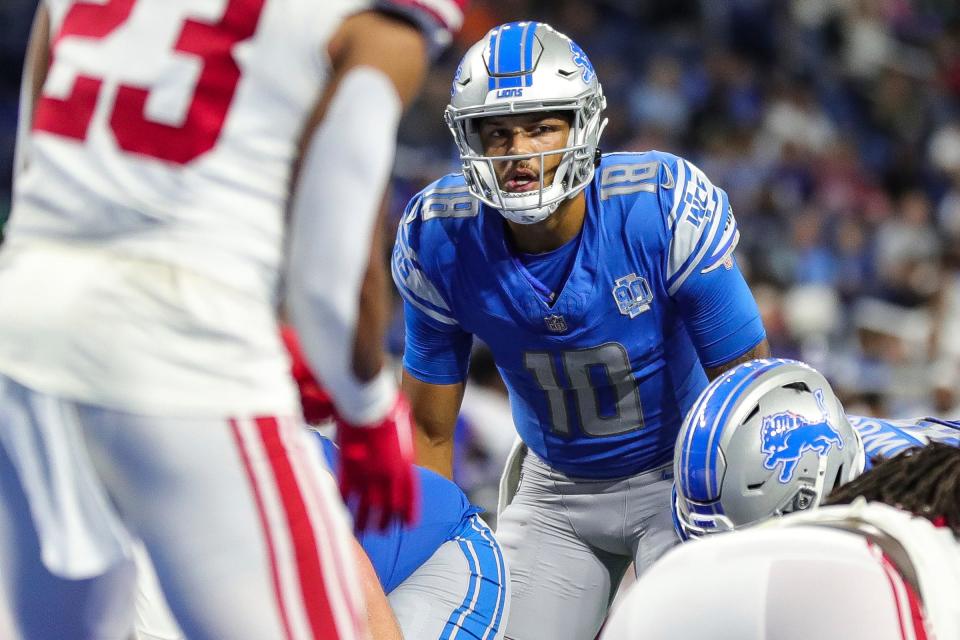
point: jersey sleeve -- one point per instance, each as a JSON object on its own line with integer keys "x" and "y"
{"x": 438, "y": 20}
{"x": 437, "y": 349}
{"x": 701, "y": 271}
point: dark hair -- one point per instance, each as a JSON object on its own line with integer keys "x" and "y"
{"x": 923, "y": 480}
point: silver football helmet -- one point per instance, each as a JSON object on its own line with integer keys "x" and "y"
{"x": 524, "y": 67}
{"x": 765, "y": 438}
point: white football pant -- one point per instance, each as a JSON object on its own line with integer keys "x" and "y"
{"x": 244, "y": 526}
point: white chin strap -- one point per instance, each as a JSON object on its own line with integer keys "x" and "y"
{"x": 524, "y": 215}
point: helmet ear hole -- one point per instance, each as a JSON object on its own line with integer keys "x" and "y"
{"x": 837, "y": 481}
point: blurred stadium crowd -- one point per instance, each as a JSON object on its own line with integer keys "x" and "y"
{"x": 834, "y": 126}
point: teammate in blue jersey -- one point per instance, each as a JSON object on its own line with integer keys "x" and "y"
{"x": 446, "y": 576}
{"x": 770, "y": 437}
{"x": 606, "y": 289}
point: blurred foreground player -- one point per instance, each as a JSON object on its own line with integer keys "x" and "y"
{"x": 860, "y": 570}
{"x": 770, "y": 437}
{"x": 606, "y": 289}
{"x": 143, "y": 386}
{"x": 444, "y": 575}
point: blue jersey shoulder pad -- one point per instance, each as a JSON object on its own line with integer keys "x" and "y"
{"x": 424, "y": 248}
{"x": 701, "y": 229}
{"x": 692, "y": 215}
{"x": 397, "y": 552}
{"x": 627, "y": 175}
{"x": 445, "y": 199}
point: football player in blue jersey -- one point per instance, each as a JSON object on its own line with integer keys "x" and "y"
{"x": 770, "y": 437}
{"x": 606, "y": 289}
{"x": 443, "y": 577}
{"x": 446, "y": 575}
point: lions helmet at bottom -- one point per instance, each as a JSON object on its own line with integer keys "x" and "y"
{"x": 765, "y": 438}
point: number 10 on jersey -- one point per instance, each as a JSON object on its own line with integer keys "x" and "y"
{"x": 601, "y": 378}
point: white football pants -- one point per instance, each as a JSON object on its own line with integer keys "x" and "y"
{"x": 245, "y": 528}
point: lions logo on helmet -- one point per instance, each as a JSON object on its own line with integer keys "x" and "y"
{"x": 785, "y": 436}
{"x": 766, "y": 438}
{"x": 581, "y": 60}
{"x": 526, "y": 67}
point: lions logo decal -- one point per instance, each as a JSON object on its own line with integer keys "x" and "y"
{"x": 786, "y": 436}
{"x": 581, "y": 60}
{"x": 456, "y": 77}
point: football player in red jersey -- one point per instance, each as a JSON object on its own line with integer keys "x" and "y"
{"x": 142, "y": 380}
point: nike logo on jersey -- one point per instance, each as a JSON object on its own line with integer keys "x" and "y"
{"x": 669, "y": 183}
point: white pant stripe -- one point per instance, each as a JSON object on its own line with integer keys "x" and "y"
{"x": 476, "y": 589}
{"x": 286, "y": 560}
{"x": 343, "y": 590}
{"x": 498, "y": 555}
{"x": 900, "y": 597}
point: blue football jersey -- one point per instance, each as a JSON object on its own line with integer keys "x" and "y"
{"x": 399, "y": 551}
{"x": 887, "y": 438}
{"x": 601, "y": 374}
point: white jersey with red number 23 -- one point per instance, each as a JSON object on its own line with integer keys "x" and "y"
{"x": 145, "y": 243}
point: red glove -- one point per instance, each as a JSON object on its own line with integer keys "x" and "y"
{"x": 376, "y": 461}
{"x": 316, "y": 403}
{"x": 376, "y": 468}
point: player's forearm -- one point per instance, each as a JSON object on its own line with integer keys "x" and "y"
{"x": 336, "y": 294}
{"x": 343, "y": 172}
{"x": 368, "y": 358}
{"x": 435, "y": 410}
{"x": 761, "y": 350}
{"x": 381, "y": 623}
{"x": 434, "y": 452}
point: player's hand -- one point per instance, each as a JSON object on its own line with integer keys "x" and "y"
{"x": 377, "y": 477}
{"x": 316, "y": 403}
